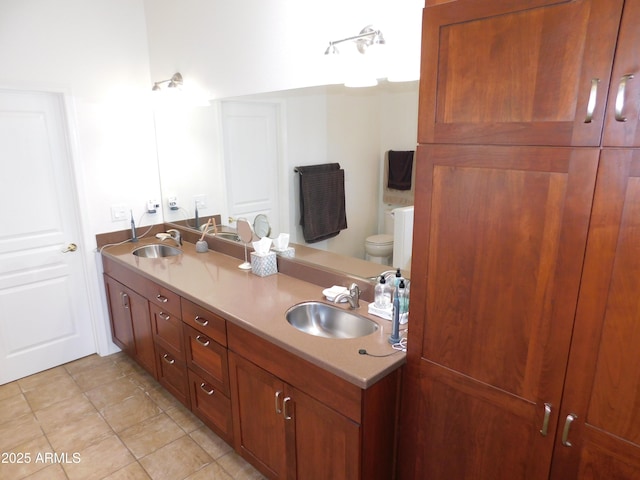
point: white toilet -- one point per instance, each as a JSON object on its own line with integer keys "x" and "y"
{"x": 379, "y": 248}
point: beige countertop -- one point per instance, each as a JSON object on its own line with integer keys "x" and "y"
{"x": 258, "y": 304}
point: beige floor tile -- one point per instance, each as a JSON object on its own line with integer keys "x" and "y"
{"x": 26, "y": 460}
{"x": 52, "y": 472}
{"x": 112, "y": 392}
{"x": 86, "y": 363}
{"x": 131, "y": 410}
{"x": 99, "y": 460}
{"x": 36, "y": 380}
{"x": 79, "y": 434}
{"x": 179, "y": 459}
{"x": 150, "y": 435}
{"x": 133, "y": 471}
{"x": 97, "y": 376}
{"x": 235, "y": 465}
{"x": 18, "y": 431}
{"x": 68, "y": 410}
{"x": 183, "y": 417}
{"x": 9, "y": 390}
{"x": 57, "y": 389}
{"x": 213, "y": 471}
{"x": 12, "y": 407}
{"x": 210, "y": 442}
{"x": 163, "y": 398}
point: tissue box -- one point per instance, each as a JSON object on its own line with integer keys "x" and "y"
{"x": 263, "y": 265}
{"x": 288, "y": 252}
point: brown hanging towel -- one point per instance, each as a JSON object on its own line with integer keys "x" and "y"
{"x": 400, "y": 168}
{"x": 322, "y": 201}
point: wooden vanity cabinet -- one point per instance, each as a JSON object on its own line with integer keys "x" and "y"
{"x": 131, "y": 322}
{"x": 205, "y": 340}
{"x": 295, "y": 420}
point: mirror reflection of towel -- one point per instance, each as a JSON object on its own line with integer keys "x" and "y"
{"x": 322, "y": 201}
{"x": 400, "y": 168}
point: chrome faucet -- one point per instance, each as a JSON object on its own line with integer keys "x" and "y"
{"x": 353, "y": 296}
{"x": 175, "y": 235}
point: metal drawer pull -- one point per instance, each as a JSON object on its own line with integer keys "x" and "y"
{"x": 567, "y": 426}
{"x": 278, "y": 409}
{"x": 205, "y": 342}
{"x": 203, "y": 322}
{"x": 162, "y": 298}
{"x": 622, "y": 86}
{"x": 167, "y": 359}
{"x": 285, "y": 402}
{"x": 203, "y": 387}
{"x": 591, "y": 104}
{"x": 125, "y": 300}
{"x": 545, "y": 422}
{"x": 164, "y": 316}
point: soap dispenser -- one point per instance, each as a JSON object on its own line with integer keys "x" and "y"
{"x": 382, "y": 294}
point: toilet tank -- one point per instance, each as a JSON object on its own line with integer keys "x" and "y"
{"x": 402, "y": 237}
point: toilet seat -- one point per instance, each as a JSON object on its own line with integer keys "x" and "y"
{"x": 381, "y": 239}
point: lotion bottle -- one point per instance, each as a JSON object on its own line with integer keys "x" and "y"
{"x": 382, "y": 294}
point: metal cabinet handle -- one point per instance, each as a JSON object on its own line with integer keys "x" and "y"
{"x": 162, "y": 298}
{"x": 164, "y": 316}
{"x": 285, "y": 410}
{"x": 591, "y": 104}
{"x": 278, "y": 409}
{"x": 622, "y": 86}
{"x": 567, "y": 426}
{"x": 125, "y": 300}
{"x": 203, "y": 387}
{"x": 545, "y": 422}
{"x": 203, "y": 322}
{"x": 205, "y": 342}
{"x": 168, "y": 359}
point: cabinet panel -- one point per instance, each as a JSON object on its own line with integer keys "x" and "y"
{"x": 509, "y": 72}
{"x": 603, "y": 380}
{"x": 207, "y": 358}
{"x": 259, "y": 428}
{"x": 496, "y": 273}
{"x": 172, "y": 374}
{"x": 162, "y": 297}
{"x": 141, "y": 322}
{"x": 325, "y": 442}
{"x": 167, "y": 330}
{"x": 121, "y": 328}
{"x": 211, "y": 405}
{"x": 205, "y": 321}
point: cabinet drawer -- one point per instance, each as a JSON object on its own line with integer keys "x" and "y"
{"x": 167, "y": 330}
{"x": 163, "y": 298}
{"x": 211, "y": 405}
{"x": 205, "y": 321}
{"x": 172, "y": 374}
{"x": 207, "y": 358}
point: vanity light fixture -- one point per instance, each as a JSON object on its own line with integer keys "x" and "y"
{"x": 367, "y": 37}
{"x": 174, "y": 82}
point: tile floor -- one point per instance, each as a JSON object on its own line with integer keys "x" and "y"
{"x": 105, "y": 418}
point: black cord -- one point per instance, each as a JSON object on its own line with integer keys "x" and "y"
{"x": 362, "y": 351}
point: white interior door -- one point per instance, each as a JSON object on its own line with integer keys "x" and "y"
{"x": 250, "y": 144}
{"x": 44, "y": 306}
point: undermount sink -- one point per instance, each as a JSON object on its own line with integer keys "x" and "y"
{"x": 157, "y": 251}
{"x": 324, "y": 320}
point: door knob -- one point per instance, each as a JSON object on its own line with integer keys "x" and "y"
{"x": 72, "y": 247}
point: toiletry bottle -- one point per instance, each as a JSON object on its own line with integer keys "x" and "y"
{"x": 382, "y": 294}
{"x": 398, "y": 278}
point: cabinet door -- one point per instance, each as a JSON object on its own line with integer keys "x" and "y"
{"x": 120, "y": 313}
{"x": 259, "y": 427}
{"x": 622, "y": 125}
{"x": 321, "y": 442}
{"x": 603, "y": 380}
{"x": 495, "y": 277}
{"x": 516, "y": 72}
{"x": 142, "y": 333}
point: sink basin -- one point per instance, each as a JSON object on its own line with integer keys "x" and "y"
{"x": 324, "y": 320}
{"x": 157, "y": 251}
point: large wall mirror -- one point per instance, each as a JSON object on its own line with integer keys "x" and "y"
{"x": 237, "y": 157}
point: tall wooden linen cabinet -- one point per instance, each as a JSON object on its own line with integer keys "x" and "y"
{"x": 524, "y": 338}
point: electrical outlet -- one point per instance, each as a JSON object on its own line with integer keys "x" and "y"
{"x": 173, "y": 202}
{"x": 152, "y": 206}
{"x": 119, "y": 213}
{"x": 200, "y": 201}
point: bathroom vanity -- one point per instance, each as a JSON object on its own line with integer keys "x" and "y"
{"x": 293, "y": 404}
